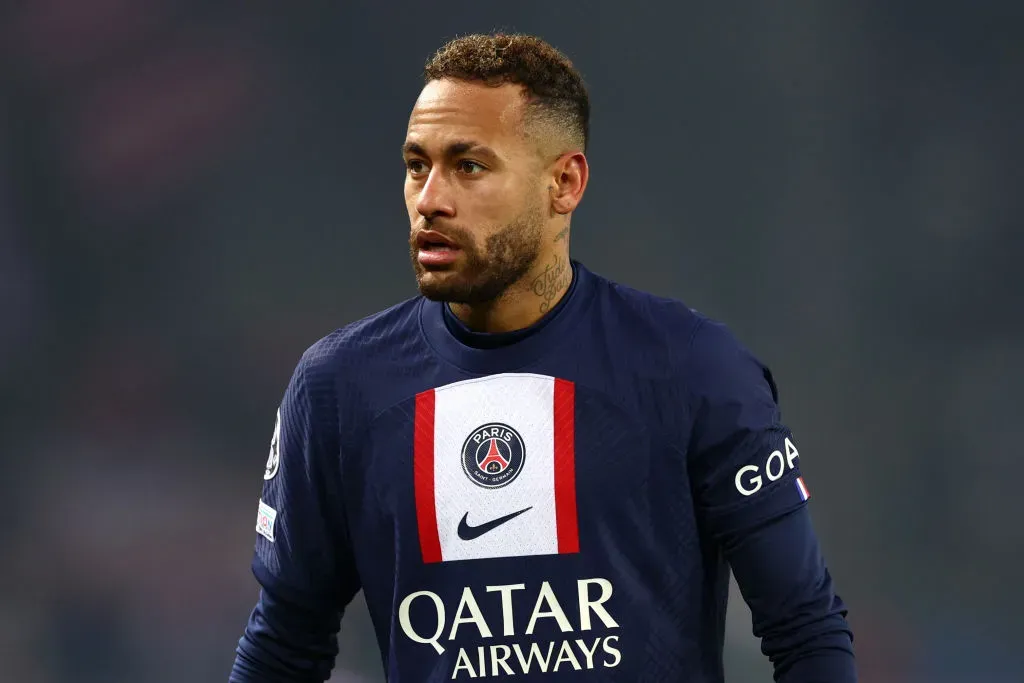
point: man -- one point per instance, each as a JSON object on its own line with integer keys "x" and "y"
{"x": 530, "y": 470}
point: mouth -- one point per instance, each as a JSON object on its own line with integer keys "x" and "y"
{"x": 430, "y": 240}
{"x": 435, "y": 251}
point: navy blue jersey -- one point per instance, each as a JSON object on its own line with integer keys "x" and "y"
{"x": 561, "y": 503}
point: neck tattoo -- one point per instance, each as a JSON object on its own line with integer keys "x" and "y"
{"x": 555, "y": 276}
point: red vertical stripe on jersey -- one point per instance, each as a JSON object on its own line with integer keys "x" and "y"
{"x": 565, "y": 467}
{"x": 423, "y": 473}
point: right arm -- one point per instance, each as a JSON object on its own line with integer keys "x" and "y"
{"x": 286, "y": 641}
{"x": 303, "y": 558}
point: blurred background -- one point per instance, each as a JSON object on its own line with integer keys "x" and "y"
{"x": 192, "y": 192}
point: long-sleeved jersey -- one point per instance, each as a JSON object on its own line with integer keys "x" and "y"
{"x": 560, "y": 503}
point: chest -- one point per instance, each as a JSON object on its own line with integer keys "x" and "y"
{"x": 508, "y": 465}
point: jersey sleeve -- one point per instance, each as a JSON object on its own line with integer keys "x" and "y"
{"x": 303, "y": 552}
{"x": 749, "y": 490}
{"x": 744, "y": 462}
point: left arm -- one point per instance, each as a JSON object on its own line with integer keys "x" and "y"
{"x": 751, "y": 496}
{"x": 797, "y": 615}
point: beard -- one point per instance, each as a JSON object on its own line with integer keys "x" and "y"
{"x": 481, "y": 276}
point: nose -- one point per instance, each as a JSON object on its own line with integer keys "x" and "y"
{"x": 435, "y": 197}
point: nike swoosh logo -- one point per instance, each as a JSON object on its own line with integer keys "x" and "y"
{"x": 468, "y": 533}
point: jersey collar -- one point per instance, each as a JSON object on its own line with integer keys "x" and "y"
{"x": 481, "y": 352}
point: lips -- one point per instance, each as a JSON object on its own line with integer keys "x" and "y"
{"x": 428, "y": 240}
{"x": 435, "y": 251}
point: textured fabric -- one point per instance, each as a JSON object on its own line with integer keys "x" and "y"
{"x": 498, "y": 529}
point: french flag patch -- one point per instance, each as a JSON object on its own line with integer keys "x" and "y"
{"x": 801, "y": 488}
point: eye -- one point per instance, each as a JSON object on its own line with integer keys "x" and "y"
{"x": 470, "y": 167}
{"x": 415, "y": 166}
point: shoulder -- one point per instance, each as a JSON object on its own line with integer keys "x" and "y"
{"x": 722, "y": 368}
{"x": 642, "y": 319}
{"x": 701, "y": 351}
{"x": 347, "y": 371}
{"x": 356, "y": 348}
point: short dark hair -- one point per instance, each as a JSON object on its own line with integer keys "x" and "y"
{"x": 554, "y": 88}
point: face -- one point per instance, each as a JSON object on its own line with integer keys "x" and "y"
{"x": 474, "y": 191}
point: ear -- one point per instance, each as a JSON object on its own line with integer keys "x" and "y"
{"x": 568, "y": 181}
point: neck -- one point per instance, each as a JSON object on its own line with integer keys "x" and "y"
{"x": 525, "y": 302}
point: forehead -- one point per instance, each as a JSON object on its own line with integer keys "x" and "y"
{"x": 448, "y": 109}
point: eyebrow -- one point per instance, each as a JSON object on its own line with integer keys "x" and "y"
{"x": 452, "y": 149}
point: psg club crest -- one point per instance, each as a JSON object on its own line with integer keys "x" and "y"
{"x": 493, "y": 455}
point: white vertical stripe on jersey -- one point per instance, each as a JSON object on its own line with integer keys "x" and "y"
{"x": 525, "y": 403}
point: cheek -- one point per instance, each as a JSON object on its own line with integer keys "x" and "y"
{"x": 491, "y": 205}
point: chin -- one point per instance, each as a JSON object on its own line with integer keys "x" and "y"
{"x": 453, "y": 288}
{"x": 440, "y": 285}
